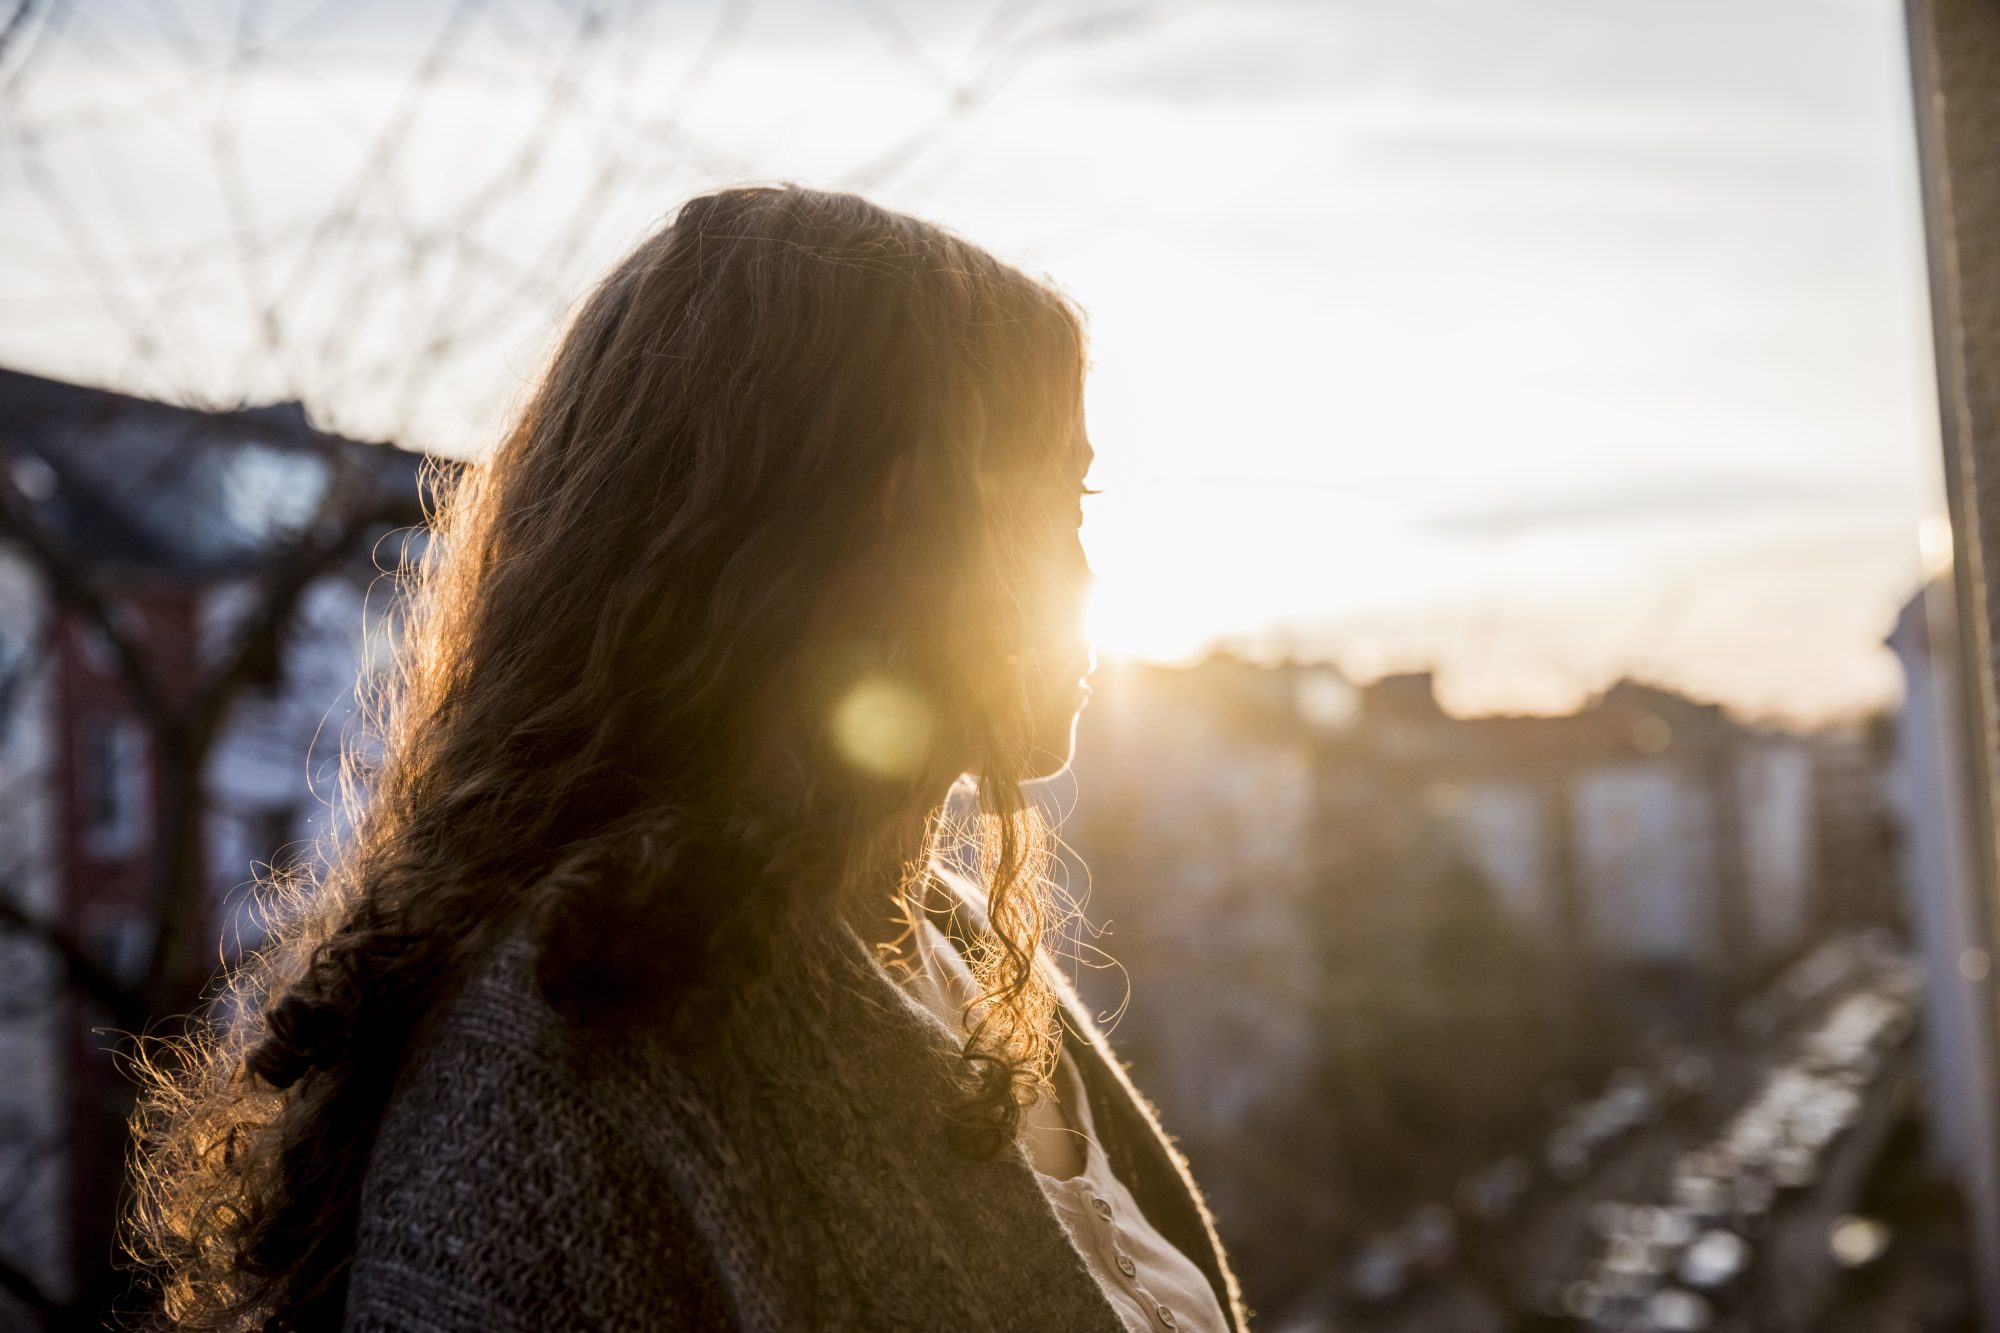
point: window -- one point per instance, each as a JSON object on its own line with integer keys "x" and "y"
{"x": 112, "y": 783}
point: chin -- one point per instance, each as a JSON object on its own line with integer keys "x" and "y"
{"x": 1055, "y": 750}
{"x": 1044, "y": 773}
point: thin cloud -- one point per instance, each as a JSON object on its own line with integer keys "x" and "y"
{"x": 1676, "y": 498}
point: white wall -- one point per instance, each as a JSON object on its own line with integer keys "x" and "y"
{"x": 1774, "y": 784}
{"x": 1502, "y": 830}
{"x": 1644, "y": 843}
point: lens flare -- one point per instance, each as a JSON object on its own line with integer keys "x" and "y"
{"x": 883, "y": 727}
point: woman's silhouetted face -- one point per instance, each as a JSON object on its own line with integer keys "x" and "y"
{"x": 1061, "y": 659}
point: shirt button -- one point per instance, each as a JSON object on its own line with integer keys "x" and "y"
{"x": 1103, "y": 1207}
{"x": 1166, "y": 1315}
{"x": 1126, "y": 1266}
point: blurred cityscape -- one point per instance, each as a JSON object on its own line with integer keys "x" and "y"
{"x": 1609, "y": 1020}
{"x": 1604, "y": 1020}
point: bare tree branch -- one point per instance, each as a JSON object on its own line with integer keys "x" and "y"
{"x": 17, "y": 23}
{"x": 17, "y": 1284}
{"x": 80, "y": 968}
{"x": 75, "y": 590}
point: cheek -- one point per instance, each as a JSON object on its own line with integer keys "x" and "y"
{"x": 1066, "y": 590}
{"x": 1081, "y": 580}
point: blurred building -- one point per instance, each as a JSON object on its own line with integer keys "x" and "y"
{"x": 1205, "y": 780}
{"x": 1372, "y": 947}
{"x": 32, "y": 1029}
{"x": 1645, "y": 833}
{"x": 1644, "y": 836}
{"x": 1929, "y": 766}
{"x": 190, "y": 527}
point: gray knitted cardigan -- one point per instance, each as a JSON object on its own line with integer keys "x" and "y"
{"x": 531, "y": 1175}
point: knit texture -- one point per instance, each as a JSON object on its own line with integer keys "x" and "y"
{"x": 533, "y": 1174}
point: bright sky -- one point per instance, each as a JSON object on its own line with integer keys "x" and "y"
{"x": 1538, "y": 340}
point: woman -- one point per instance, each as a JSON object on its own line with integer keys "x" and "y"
{"x": 610, "y": 1012}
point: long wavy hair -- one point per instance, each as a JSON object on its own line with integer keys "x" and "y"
{"x": 695, "y": 650}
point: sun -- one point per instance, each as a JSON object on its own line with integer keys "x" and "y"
{"x": 1125, "y": 620}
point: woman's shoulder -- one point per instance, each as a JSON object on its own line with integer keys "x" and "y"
{"x": 501, "y": 1193}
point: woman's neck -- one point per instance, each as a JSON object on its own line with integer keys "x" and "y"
{"x": 885, "y": 882}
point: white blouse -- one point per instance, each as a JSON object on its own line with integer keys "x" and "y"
{"x": 1154, "y": 1287}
